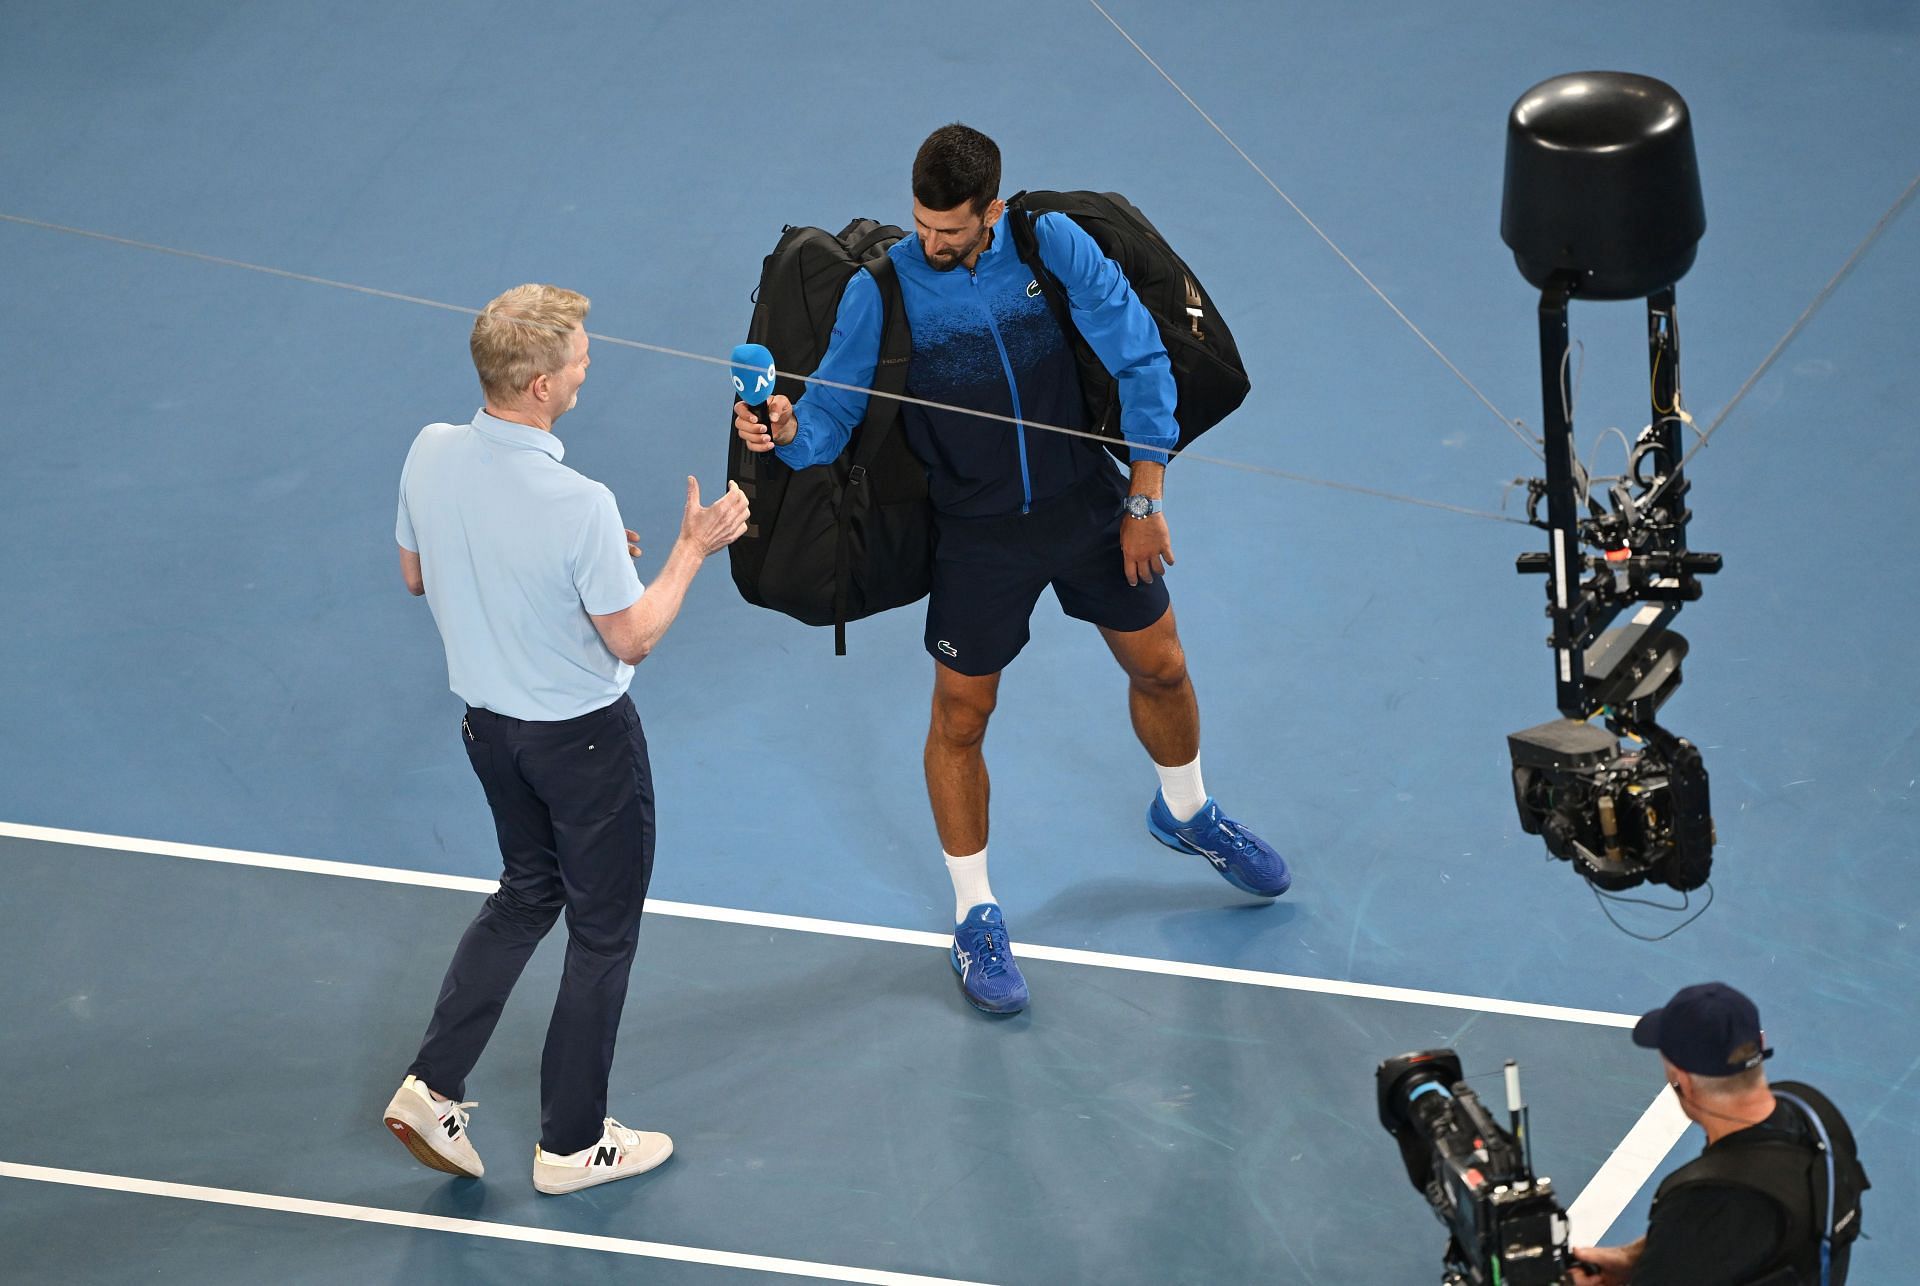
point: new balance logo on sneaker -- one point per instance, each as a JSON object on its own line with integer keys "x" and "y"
{"x": 620, "y": 1153}
{"x": 434, "y": 1132}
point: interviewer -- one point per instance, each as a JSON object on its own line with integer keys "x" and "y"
{"x": 529, "y": 574}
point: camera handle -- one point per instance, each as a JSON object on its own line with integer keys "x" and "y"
{"x": 1517, "y": 1118}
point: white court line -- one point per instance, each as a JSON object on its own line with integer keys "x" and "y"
{"x": 1592, "y": 1213}
{"x": 470, "y": 1227}
{"x": 839, "y": 928}
{"x": 1630, "y": 1166}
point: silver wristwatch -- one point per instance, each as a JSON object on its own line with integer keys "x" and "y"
{"x": 1140, "y": 506}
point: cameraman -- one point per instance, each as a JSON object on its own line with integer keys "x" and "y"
{"x": 1751, "y": 1210}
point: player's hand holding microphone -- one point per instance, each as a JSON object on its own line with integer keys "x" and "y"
{"x": 762, "y": 418}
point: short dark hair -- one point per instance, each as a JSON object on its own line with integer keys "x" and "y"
{"x": 957, "y": 163}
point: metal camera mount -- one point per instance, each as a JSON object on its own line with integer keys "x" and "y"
{"x": 1602, "y": 202}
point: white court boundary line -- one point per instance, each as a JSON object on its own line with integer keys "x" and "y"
{"x": 470, "y": 1227}
{"x": 1624, "y": 1172}
{"x": 1620, "y": 1177}
{"x": 835, "y": 928}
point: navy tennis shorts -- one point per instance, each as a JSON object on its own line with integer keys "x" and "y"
{"x": 988, "y": 574}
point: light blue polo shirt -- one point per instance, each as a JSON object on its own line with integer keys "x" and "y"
{"x": 516, "y": 549}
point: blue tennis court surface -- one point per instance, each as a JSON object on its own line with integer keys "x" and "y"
{"x": 829, "y": 1102}
{"x": 205, "y": 639}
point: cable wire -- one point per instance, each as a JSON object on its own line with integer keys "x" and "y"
{"x": 1516, "y": 426}
{"x": 1686, "y": 901}
{"x": 708, "y": 359}
{"x": 1793, "y": 331}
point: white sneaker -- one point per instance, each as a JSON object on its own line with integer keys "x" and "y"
{"x": 620, "y": 1154}
{"x": 436, "y": 1134}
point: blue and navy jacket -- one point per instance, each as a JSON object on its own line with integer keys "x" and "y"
{"x": 986, "y": 340}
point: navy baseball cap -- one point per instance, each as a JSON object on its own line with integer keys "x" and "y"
{"x": 1708, "y": 1029}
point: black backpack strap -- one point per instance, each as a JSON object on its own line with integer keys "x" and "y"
{"x": 1839, "y": 1219}
{"x": 1811, "y": 1101}
{"x": 1023, "y": 225}
{"x": 883, "y": 414}
{"x": 1822, "y": 1225}
{"x": 874, "y": 236}
{"x": 890, "y": 370}
{"x": 1815, "y": 1185}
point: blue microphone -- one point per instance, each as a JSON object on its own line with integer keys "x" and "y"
{"x": 753, "y": 377}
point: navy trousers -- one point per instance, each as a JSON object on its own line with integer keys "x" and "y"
{"x": 572, "y": 803}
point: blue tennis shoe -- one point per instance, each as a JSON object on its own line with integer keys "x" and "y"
{"x": 1245, "y": 860}
{"x": 984, "y": 961}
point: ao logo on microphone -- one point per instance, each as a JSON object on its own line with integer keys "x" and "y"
{"x": 762, "y": 381}
{"x": 752, "y": 373}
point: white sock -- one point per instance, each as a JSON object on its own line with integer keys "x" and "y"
{"x": 1182, "y": 789}
{"x": 970, "y": 886}
{"x": 574, "y": 1158}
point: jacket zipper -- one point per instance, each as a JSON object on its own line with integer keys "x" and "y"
{"x": 1013, "y": 388}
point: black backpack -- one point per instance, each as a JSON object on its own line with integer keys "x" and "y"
{"x": 839, "y": 541}
{"x": 1797, "y": 1180}
{"x": 1207, "y": 370}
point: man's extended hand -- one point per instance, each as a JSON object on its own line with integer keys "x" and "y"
{"x": 633, "y": 543}
{"x": 1606, "y": 1265}
{"x": 713, "y": 526}
{"x": 1146, "y": 548}
{"x": 765, "y": 437}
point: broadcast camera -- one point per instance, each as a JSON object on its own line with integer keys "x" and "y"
{"x": 1603, "y": 202}
{"x": 1507, "y": 1226}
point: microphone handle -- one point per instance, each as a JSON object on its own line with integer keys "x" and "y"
{"x": 756, "y": 461}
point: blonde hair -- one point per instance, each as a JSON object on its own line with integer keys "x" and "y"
{"x": 526, "y": 331}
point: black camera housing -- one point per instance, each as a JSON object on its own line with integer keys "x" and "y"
{"x": 1506, "y": 1226}
{"x": 1620, "y": 816}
